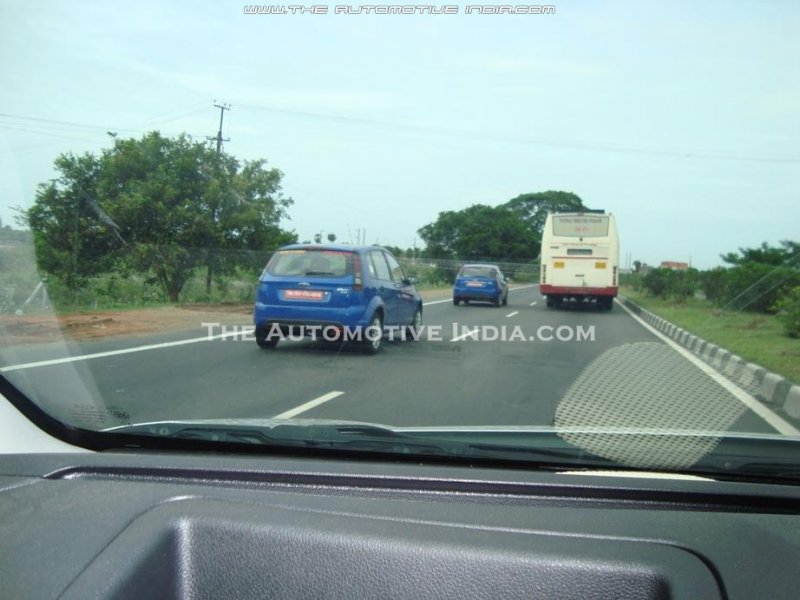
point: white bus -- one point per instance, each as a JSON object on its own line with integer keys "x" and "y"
{"x": 580, "y": 259}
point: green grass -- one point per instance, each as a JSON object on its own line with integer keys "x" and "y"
{"x": 755, "y": 337}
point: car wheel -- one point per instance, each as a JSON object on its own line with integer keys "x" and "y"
{"x": 263, "y": 342}
{"x": 373, "y": 335}
{"x": 505, "y": 299}
{"x": 412, "y": 331}
{"x": 456, "y": 301}
{"x": 496, "y": 301}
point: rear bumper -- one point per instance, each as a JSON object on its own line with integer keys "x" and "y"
{"x": 472, "y": 293}
{"x": 557, "y": 290}
{"x": 265, "y": 315}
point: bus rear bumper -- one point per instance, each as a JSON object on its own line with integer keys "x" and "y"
{"x": 558, "y": 290}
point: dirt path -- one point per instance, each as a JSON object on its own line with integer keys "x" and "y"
{"x": 25, "y": 329}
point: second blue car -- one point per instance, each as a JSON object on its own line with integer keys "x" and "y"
{"x": 484, "y": 283}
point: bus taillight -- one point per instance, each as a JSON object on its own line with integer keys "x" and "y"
{"x": 614, "y": 278}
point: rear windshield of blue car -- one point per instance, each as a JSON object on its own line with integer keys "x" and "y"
{"x": 311, "y": 263}
{"x": 477, "y": 272}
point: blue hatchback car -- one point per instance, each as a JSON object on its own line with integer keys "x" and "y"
{"x": 485, "y": 283}
{"x": 335, "y": 293}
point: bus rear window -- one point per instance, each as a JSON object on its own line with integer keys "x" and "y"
{"x": 580, "y": 226}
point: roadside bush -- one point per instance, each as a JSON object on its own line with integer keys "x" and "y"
{"x": 714, "y": 284}
{"x": 655, "y": 282}
{"x": 446, "y": 275}
{"x": 683, "y": 284}
{"x": 667, "y": 283}
{"x": 633, "y": 280}
{"x": 751, "y": 286}
{"x": 788, "y": 309}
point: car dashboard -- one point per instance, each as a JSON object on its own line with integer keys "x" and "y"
{"x": 132, "y": 524}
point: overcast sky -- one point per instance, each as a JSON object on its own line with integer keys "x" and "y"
{"x": 682, "y": 120}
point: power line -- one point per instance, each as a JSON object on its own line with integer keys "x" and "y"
{"x": 70, "y": 123}
{"x": 524, "y": 139}
{"x": 178, "y": 113}
{"x": 54, "y": 128}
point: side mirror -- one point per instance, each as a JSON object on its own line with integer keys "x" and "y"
{"x": 410, "y": 281}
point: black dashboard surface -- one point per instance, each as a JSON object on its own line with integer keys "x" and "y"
{"x": 144, "y": 525}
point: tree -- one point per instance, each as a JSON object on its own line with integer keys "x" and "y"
{"x": 158, "y": 204}
{"x": 757, "y": 278}
{"x": 181, "y": 205}
{"x": 479, "y": 232}
{"x": 331, "y": 237}
{"x": 72, "y": 242}
{"x": 510, "y": 231}
{"x": 395, "y": 250}
{"x": 533, "y": 208}
{"x": 787, "y": 253}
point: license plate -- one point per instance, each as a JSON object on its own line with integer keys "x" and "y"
{"x": 475, "y": 284}
{"x": 303, "y": 295}
{"x": 559, "y": 264}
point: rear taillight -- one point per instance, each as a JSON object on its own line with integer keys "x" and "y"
{"x": 614, "y": 279}
{"x": 544, "y": 273}
{"x": 358, "y": 282}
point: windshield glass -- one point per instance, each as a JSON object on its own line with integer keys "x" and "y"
{"x": 312, "y": 263}
{"x": 225, "y": 217}
{"x": 477, "y": 271}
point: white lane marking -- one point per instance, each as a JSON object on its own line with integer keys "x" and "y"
{"x": 68, "y": 359}
{"x": 774, "y": 420}
{"x": 532, "y": 304}
{"x": 466, "y": 335}
{"x": 437, "y": 302}
{"x": 308, "y": 405}
{"x": 511, "y": 314}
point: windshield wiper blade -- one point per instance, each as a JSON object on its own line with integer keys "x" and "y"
{"x": 736, "y": 456}
{"x": 302, "y": 434}
{"x": 365, "y": 437}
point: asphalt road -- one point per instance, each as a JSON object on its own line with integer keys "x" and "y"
{"x": 448, "y": 378}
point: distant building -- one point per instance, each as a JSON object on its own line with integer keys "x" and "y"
{"x": 675, "y": 266}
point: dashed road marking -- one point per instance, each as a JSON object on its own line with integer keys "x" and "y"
{"x": 308, "y": 405}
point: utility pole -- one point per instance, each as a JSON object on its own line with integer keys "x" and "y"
{"x": 219, "y": 139}
{"x": 211, "y": 254}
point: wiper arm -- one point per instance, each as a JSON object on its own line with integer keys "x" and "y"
{"x": 547, "y": 451}
{"x": 296, "y": 435}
